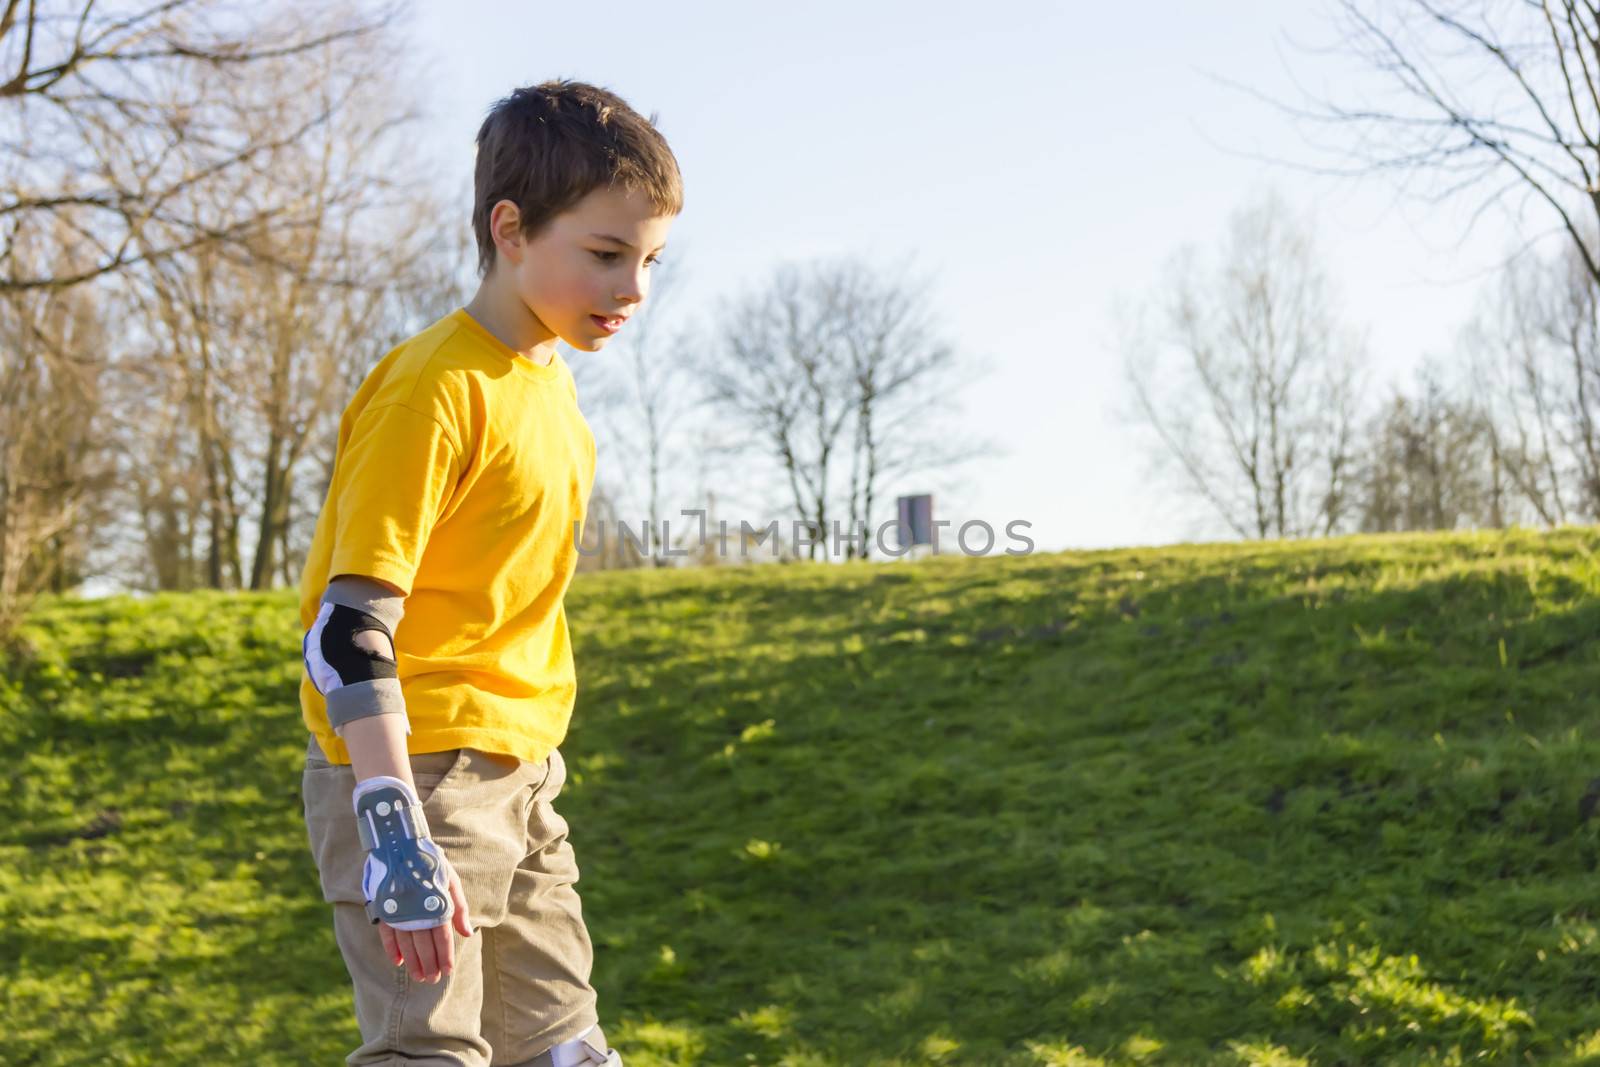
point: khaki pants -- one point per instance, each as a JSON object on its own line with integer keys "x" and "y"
{"x": 521, "y": 981}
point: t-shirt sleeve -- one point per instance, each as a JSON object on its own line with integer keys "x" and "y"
{"x": 396, "y": 473}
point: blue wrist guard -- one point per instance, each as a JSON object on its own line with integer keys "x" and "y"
{"x": 406, "y": 878}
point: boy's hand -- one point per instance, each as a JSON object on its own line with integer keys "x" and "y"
{"x": 404, "y": 875}
{"x": 431, "y": 953}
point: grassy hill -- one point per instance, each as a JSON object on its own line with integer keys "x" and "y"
{"x": 1291, "y": 803}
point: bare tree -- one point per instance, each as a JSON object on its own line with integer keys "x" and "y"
{"x": 247, "y": 347}
{"x": 51, "y": 467}
{"x": 1333, "y": 440}
{"x": 416, "y": 269}
{"x": 1429, "y": 462}
{"x": 107, "y": 116}
{"x": 782, "y": 377}
{"x": 188, "y": 373}
{"x": 1489, "y": 99}
{"x": 1535, "y": 348}
{"x": 830, "y": 364}
{"x": 901, "y": 375}
{"x": 315, "y": 285}
{"x": 1249, "y": 381}
{"x": 645, "y": 399}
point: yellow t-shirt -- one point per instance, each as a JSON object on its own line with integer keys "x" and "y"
{"x": 460, "y": 472}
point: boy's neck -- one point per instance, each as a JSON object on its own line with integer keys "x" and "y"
{"x": 498, "y": 309}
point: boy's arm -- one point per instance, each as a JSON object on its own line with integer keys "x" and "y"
{"x": 377, "y": 746}
{"x": 350, "y": 654}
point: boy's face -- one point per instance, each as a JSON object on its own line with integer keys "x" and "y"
{"x": 574, "y": 278}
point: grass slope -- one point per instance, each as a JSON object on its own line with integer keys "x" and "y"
{"x": 1290, "y": 803}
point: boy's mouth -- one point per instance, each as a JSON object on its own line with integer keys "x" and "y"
{"x": 608, "y": 325}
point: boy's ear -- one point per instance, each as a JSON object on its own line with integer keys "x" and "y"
{"x": 505, "y": 226}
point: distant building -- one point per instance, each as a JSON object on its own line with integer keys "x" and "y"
{"x": 915, "y": 525}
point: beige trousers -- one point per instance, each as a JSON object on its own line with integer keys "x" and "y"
{"x": 521, "y": 981}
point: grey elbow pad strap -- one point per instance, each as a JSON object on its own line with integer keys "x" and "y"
{"x": 354, "y": 681}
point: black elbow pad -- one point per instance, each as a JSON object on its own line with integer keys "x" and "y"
{"x": 332, "y": 655}
{"x": 356, "y": 682}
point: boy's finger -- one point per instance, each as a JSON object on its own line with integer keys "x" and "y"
{"x": 444, "y": 948}
{"x": 408, "y": 952}
{"x": 459, "y": 895}
{"x": 390, "y": 949}
{"x": 427, "y": 958}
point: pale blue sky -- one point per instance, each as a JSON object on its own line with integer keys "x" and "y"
{"x": 1040, "y": 159}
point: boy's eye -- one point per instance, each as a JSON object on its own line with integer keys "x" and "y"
{"x": 607, "y": 257}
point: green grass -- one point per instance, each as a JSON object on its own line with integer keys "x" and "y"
{"x": 1311, "y": 803}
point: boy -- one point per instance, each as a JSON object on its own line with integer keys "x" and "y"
{"x": 463, "y": 466}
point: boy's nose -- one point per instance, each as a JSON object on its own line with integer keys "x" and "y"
{"x": 632, "y": 293}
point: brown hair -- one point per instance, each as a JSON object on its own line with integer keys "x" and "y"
{"x": 547, "y": 146}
